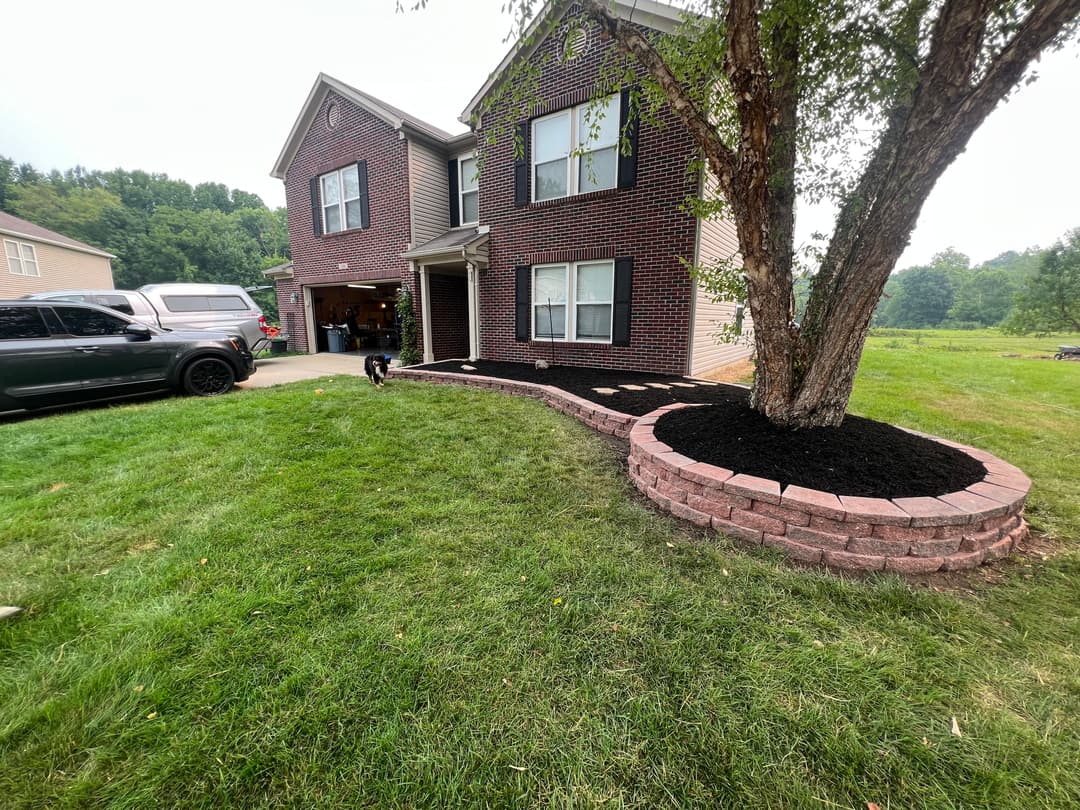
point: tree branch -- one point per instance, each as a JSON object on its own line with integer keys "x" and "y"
{"x": 1038, "y": 30}
{"x": 629, "y": 40}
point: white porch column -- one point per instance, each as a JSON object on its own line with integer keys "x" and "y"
{"x": 425, "y": 313}
{"x": 474, "y": 312}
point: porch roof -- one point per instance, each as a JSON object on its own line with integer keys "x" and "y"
{"x": 454, "y": 243}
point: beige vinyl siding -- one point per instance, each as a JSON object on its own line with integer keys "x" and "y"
{"x": 429, "y": 192}
{"x": 59, "y": 268}
{"x": 716, "y": 240}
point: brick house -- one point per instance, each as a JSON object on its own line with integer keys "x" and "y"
{"x": 364, "y": 183}
{"x": 573, "y": 247}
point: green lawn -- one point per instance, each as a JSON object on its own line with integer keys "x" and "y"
{"x": 431, "y": 596}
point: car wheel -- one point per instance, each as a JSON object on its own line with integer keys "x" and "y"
{"x": 209, "y": 377}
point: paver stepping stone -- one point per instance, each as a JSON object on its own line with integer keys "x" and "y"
{"x": 606, "y": 390}
{"x": 684, "y": 385}
{"x": 658, "y": 385}
{"x": 632, "y": 387}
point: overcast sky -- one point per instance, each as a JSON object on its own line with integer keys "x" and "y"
{"x": 208, "y": 91}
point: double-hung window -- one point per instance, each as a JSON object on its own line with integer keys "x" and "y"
{"x": 573, "y": 301}
{"x": 576, "y": 151}
{"x": 468, "y": 190}
{"x": 22, "y": 260}
{"x": 340, "y": 192}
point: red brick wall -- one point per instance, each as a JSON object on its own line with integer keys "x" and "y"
{"x": 449, "y": 317}
{"x": 644, "y": 222}
{"x": 371, "y": 253}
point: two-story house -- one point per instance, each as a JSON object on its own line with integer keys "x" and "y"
{"x": 364, "y": 184}
{"x": 553, "y": 240}
{"x": 39, "y": 260}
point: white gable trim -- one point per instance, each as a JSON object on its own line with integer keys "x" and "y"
{"x": 650, "y": 13}
{"x": 323, "y": 85}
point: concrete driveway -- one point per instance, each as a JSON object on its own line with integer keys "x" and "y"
{"x": 277, "y": 370}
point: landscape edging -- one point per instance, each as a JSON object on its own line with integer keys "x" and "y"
{"x": 904, "y": 535}
{"x": 957, "y": 530}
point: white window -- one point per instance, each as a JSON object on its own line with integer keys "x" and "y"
{"x": 576, "y": 151}
{"x": 340, "y": 192}
{"x": 575, "y": 300}
{"x": 22, "y": 260}
{"x": 468, "y": 190}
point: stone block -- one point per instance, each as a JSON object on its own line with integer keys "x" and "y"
{"x": 912, "y": 565}
{"x": 757, "y": 489}
{"x": 813, "y": 501}
{"x": 874, "y": 511}
{"x": 814, "y": 537}
{"x": 793, "y": 549}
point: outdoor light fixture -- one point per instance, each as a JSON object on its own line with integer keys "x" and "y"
{"x": 363, "y": 286}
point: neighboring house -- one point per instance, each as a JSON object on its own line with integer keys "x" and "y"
{"x": 520, "y": 255}
{"x": 39, "y": 260}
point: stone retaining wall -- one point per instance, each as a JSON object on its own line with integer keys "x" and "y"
{"x": 903, "y": 535}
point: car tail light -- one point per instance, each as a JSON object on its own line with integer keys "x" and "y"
{"x": 263, "y": 325}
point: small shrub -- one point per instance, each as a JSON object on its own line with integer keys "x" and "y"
{"x": 410, "y": 355}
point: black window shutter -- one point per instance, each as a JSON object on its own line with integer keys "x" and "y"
{"x": 620, "y": 330}
{"x": 522, "y": 284}
{"x": 628, "y": 123}
{"x": 452, "y": 176}
{"x": 361, "y": 178}
{"x": 521, "y": 166}
{"x": 316, "y": 209}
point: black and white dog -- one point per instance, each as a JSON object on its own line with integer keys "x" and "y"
{"x": 375, "y": 367}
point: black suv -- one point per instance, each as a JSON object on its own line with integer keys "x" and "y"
{"x": 55, "y": 352}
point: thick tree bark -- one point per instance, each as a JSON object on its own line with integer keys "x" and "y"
{"x": 805, "y": 374}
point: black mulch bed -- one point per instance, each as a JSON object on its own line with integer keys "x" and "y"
{"x": 582, "y": 381}
{"x": 860, "y": 458}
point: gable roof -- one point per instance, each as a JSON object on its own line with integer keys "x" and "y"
{"x": 398, "y": 119}
{"x": 650, "y": 13}
{"x": 13, "y": 226}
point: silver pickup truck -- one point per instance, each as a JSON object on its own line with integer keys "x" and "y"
{"x": 219, "y": 307}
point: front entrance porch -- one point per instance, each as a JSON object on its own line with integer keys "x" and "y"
{"x": 449, "y": 268}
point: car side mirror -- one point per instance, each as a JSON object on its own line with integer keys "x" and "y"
{"x": 138, "y": 331}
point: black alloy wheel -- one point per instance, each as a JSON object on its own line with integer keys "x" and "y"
{"x": 209, "y": 377}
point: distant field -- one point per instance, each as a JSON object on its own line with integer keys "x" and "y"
{"x": 1001, "y": 393}
{"x": 429, "y": 597}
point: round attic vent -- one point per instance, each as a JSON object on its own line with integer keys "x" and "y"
{"x": 333, "y": 116}
{"x": 574, "y": 44}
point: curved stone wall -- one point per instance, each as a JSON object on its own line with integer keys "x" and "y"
{"x": 903, "y": 535}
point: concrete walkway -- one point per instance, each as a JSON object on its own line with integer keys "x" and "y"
{"x": 278, "y": 370}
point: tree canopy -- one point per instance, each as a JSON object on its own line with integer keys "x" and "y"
{"x": 160, "y": 229}
{"x": 1050, "y": 300}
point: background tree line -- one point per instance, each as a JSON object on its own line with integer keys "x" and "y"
{"x": 160, "y": 229}
{"x": 1036, "y": 290}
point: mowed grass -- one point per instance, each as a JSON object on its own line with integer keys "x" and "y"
{"x": 431, "y": 596}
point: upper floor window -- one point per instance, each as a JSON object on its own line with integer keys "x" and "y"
{"x": 468, "y": 190}
{"x": 573, "y": 301}
{"x": 22, "y": 260}
{"x": 576, "y": 151}
{"x": 340, "y": 193}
